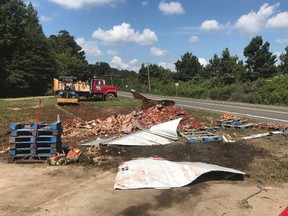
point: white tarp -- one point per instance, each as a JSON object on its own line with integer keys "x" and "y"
{"x": 162, "y": 174}
{"x": 161, "y": 134}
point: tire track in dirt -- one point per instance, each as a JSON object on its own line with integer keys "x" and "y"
{"x": 66, "y": 112}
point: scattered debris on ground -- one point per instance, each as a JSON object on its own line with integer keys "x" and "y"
{"x": 63, "y": 159}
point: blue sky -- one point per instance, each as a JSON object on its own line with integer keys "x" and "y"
{"x": 128, "y": 33}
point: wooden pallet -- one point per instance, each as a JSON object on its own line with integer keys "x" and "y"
{"x": 200, "y": 136}
{"x": 241, "y": 127}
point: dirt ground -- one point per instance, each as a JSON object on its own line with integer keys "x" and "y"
{"x": 86, "y": 188}
{"x": 27, "y": 189}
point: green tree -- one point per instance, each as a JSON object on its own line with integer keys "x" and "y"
{"x": 213, "y": 67}
{"x": 69, "y": 57}
{"x": 283, "y": 67}
{"x": 29, "y": 62}
{"x": 12, "y": 16}
{"x": 260, "y": 61}
{"x": 230, "y": 69}
{"x": 188, "y": 67}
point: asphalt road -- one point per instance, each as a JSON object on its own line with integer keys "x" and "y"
{"x": 275, "y": 114}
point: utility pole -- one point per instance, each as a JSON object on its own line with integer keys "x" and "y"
{"x": 149, "y": 85}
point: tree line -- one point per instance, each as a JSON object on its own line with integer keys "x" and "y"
{"x": 29, "y": 61}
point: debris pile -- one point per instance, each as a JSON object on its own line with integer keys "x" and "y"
{"x": 4, "y": 150}
{"x": 228, "y": 120}
{"x": 61, "y": 159}
{"x": 117, "y": 125}
{"x": 264, "y": 125}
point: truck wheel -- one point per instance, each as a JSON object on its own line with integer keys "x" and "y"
{"x": 109, "y": 96}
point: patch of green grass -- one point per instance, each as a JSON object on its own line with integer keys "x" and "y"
{"x": 119, "y": 101}
{"x": 204, "y": 116}
{"x": 272, "y": 170}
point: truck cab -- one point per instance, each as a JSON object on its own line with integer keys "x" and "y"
{"x": 101, "y": 91}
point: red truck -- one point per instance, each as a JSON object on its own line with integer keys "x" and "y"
{"x": 95, "y": 88}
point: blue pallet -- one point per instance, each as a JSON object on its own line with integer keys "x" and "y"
{"x": 48, "y": 126}
{"x": 31, "y": 139}
{"x": 22, "y": 139}
{"x": 196, "y": 137}
{"x": 24, "y": 145}
{"x": 208, "y": 129}
{"x": 205, "y": 139}
{"x": 236, "y": 123}
{"x": 31, "y": 132}
{"x": 33, "y": 152}
{"x": 46, "y": 139}
{"x": 41, "y": 125}
{"x": 241, "y": 127}
{"x": 12, "y": 152}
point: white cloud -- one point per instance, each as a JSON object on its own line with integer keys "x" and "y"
{"x": 210, "y": 25}
{"x": 133, "y": 62}
{"x": 193, "y": 39}
{"x": 112, "y": 52}
{"x": 117, "y": 62}
{"x": 278, "y": 57}
{"x": 78, "y": 4}
{"x": 145, "y": 2}
{"x": 282, "y": 40}
{"x": 253, "y": 22}
{"x": 168, "y": 65}
{"x": 202, "y": 61}
{"x": 278, "y": 21}
{"x": 158, "y": 52}
{"x": 171, "y": 8}
{"x": 125, "y": 34}
{"x": 90, "y": 47}
{"x": 45, "y": 18}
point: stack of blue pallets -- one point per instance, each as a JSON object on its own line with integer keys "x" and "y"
{"x": 26, "y": 144}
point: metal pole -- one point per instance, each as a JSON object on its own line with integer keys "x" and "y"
{"x": 149, "y": 86}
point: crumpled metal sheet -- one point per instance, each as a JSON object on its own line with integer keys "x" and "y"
{"x": 163, "y": 174}
{"x": 160, "y": 134}
{"x": 147, "y": 102}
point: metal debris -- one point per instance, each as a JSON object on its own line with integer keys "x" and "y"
{"x": 162, "y": 174}
{"x": 161, "y": 134}
{"x": 147, "y": 103}
{"x": 254, "y": 136}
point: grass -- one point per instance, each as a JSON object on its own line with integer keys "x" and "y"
{"x": 15, "y": 110}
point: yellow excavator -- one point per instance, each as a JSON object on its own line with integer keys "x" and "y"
{"x": 66, "y": 93}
